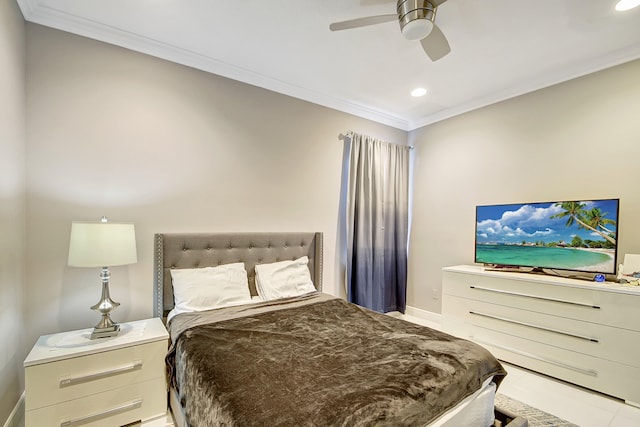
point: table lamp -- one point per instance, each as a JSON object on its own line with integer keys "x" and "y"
{"x": 102, "y": 244}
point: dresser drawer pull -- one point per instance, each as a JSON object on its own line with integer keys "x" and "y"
{"x": 66, "y": 382}
{"x": 530, "y": 325}
{"x": 585, "y": 371}
{"x": 500, "y": 291}
{"x": 104, "y": 414}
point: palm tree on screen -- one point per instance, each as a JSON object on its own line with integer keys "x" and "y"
{"x": 575, "y": 213}
{"x": 596, "y": 219}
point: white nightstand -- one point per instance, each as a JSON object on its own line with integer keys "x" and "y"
{"x": 71, "y": 380}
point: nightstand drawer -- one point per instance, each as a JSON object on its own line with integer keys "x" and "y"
{"x": 137, "y": 402}
{"x": 64, "y": 380}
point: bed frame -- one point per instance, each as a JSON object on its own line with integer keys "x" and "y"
{"x": 194, "y": 250}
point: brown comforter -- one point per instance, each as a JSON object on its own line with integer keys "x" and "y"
{"x": 318, "y": 361}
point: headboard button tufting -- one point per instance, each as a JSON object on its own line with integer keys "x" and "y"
{"x": 211, "y": 249}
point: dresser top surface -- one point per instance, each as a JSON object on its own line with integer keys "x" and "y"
{"x": 547, "y": 279}
{"x": 65, "y": 345}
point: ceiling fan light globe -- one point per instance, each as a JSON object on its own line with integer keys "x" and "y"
{"x": 417, "y": 29}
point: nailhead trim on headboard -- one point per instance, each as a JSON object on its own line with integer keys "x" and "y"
{"x": 157, "y": 276}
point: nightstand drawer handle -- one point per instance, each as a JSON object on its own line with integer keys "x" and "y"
{"x": 109, "y": 412}
{"x": 66, "y": 382}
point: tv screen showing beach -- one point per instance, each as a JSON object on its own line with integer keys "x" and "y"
{"x": 571, "y": 235}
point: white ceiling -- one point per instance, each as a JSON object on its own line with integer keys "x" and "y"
{"x": 500, "y": 48}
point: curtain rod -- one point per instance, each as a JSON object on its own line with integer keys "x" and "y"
{"x": 342, "y": 136}
{"x": 347, "y": 134}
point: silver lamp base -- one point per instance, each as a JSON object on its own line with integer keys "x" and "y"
{"x": 111, "y": 331}
{"x": 106, "y": 327}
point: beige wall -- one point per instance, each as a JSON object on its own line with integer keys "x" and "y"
{"x": 576, "y": 140}
{"x": 12, "y": 204}
{"x": 113, "y": 132}
{"x": 117, "y": 133}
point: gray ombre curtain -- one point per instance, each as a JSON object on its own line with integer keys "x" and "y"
{"x": 377, "y": 222}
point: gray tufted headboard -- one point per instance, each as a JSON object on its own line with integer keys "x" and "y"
{"x": 193, "y": 250}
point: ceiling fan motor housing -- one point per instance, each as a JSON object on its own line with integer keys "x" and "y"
{"x": 416, "y": 18}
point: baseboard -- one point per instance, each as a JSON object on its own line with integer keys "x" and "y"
{"x": 17, "y": 415}
{"x": 429, "y": 316}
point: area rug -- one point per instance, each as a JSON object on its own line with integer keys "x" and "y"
{"x": 534, "y": 416}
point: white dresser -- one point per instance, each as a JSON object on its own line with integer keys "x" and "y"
{"x": 71, "y": 380}
{"x": 582, "y": 332}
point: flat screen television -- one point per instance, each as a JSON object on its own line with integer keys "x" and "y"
{"x": 566, "y": 235}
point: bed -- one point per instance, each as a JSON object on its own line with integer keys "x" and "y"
{"x": 308, "y": 359}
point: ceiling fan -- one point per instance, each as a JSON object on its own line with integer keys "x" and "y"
{"x": 417, "y": 22}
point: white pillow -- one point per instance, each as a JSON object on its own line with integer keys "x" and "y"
{"x": 284, "y": 279}
{"x": 199, "y": 289}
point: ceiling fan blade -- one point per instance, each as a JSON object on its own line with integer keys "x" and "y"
{"x": 435, "y": 44}
{"x": 362, "y": 22}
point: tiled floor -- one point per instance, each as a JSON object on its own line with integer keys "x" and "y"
{"x": 575, "y": 404}
{"x": 582, "y": 407}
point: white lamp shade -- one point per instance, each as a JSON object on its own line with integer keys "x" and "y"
{"x": 102, "y": 244}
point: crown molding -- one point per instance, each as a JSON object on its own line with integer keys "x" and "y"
{"x": 613, "y": 59}
{"x": 34, "y": 12}
{"x": 38, "y": 14}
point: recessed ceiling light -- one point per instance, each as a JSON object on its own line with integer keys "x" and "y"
{"x": 623, "y": 5}
{"x": 418, "y": 92}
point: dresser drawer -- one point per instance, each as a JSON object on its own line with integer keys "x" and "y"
{"x": 583, "y": 332}
{"x": 72, "y": 378}
{"x": 136, "y": 402}
{"x": 606, "y": 342}
{"x": 616, "y": 379}
{"x": 590, "y": 305}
